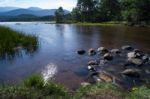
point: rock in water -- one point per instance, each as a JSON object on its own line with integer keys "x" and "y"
{"x": 127, "y": 47}
{"x": 136, "y": 61}
{"x": 131, "y": 55}
{"x": 108, "y": 56}
{"x": 90, "y": 68}
{"x": 132, "y": 72}
{"x": 105, "y": 77}
{"x": 81, "y": 52}
{"x": 145, "y": 58}
{"x": 102, "y": 50}
{"x": 116, "y": 51}
{"x": 92, "y": 52}
{"x": 92, "y": 63}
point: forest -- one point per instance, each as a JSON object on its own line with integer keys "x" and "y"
{"x": 132, "y": 12}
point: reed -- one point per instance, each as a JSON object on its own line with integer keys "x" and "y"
{"x": 10, "y": 40}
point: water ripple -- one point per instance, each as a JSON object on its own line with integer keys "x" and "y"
{"x": 49, "y": 71}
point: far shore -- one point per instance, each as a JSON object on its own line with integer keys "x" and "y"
{"x": 108, "y": 23}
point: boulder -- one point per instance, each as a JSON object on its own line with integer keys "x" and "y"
{"x": 105, "y": 77}
{"x": 145, "y": 58}
{"x": 102, "y": 50}
{"x": 137, "y": 50}
{"x": 108, "y": 56}
{"x": 81, "y": 52}
{"x": 131, "y": 55}
{"x": 91, "y": 68}
{"x": 91, "y": 52}
{"x": 116, "y": 51}
{"x": 136, "y": 61}
{"x": 93, "y": 63}
{"x": 127, "y": 47}
{"x": 132, "y": 72}
{"x": 135, "y": 55}
{"x": 102, "y": 62}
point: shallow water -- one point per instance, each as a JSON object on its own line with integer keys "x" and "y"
{"x": 56, "y": 55}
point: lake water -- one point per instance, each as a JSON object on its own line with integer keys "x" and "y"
{"x": 56, "y": 55}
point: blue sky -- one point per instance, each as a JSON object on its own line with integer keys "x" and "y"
{"x": 50, "y": 4}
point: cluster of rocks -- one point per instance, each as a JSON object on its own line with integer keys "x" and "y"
{"x": 131, "y": 65}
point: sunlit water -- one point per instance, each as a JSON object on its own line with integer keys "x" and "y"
{"x": 56, "y": 56}
{"x": 49, "y": 71}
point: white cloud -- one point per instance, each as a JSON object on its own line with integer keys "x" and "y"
{"x": 5, "y": 2}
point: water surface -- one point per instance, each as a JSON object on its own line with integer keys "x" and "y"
{"x": 56, "y": 56}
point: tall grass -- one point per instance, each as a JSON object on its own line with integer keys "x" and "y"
{"x": 11, "y": 39}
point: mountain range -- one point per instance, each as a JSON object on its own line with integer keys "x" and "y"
{"x": 14, "y": 11}
{"x": 27, "y": 14}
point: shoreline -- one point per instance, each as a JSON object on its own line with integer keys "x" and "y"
{"x": 108, "y": 23}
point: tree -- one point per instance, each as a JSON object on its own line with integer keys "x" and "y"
{"x": 86, "y": 9}
{"x": 76, "y": 14}
{"x": 97, "y": 10}
{"x": 59, "y": 15}
{"x": 136, "y": 11}
{"x": 109, "y": 10}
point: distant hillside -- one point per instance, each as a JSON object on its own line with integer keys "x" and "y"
{"x": 32, "y": 11}
{"x": 34, "y": 8}
{"x": 26, "y": 17}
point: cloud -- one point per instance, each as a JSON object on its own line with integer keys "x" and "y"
{"x": 6, "y": 2}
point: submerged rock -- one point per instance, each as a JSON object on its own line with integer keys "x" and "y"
{"x": 135, "y": 54}
{"x": 131, "y": 55}
{"x": 136, "y": 61}
{"x": 132, "y": 72}
{"x": 93, "y": 63}
{"x": 102, "y": 50}
{"x": 127, "y": 47}
{"x": 108, "y": 56}
{"x": 91, "y": 68}
{"x": 81, "y": 52}
{"x": 116, "y": 51}
{"x": 105, "y": 77}
{"x": 91, "y": 52}
{"x": 145, "y": 58}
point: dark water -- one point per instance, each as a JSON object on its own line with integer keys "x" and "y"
{"x": 56, "y": 56}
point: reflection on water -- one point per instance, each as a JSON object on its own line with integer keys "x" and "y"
{"x": 18, "y": 52}
{"x": 49, "y": 71}
{"x": 58, "y": 45}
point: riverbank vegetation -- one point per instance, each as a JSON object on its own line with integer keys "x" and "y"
{"x": 132, "y": 12}
{"x": 10, "y": 40}
{"x": 34, "y": 88}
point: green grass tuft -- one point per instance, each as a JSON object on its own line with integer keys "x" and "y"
{"x": 11, "y": 39}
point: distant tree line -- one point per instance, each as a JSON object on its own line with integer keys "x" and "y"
{"x": 131, "y": 11}
{"x": 26, "y": 17}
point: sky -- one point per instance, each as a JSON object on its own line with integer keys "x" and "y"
{"x": 46, "y": 4}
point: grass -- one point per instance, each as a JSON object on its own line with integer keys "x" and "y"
{"x": 35, "y": 88}
{"x": 109, "y": 91}
{"x": 110, "y": 23}
{"x": 11, "y": 39}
